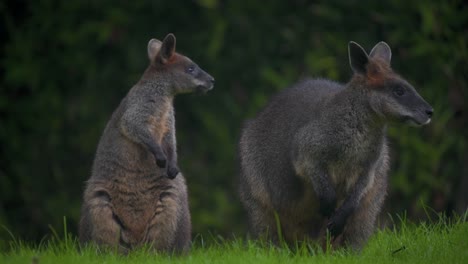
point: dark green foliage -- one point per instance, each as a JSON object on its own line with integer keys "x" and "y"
{"x": 65, "y": 66}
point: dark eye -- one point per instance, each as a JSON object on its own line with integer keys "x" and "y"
{"x": 399, "y": 91}
{"x": 190, "y": 69}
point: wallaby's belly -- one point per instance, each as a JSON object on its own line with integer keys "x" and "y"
{"x": 134, "y": 210}
{"x": 137, "y": 203}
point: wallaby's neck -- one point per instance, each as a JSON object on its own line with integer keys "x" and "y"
{"x": 155, "y": 83}
{"x": 352, "y": 105}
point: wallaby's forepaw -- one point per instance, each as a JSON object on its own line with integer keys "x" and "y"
{"x": 161, "y": 162}
{"x": 336, "y": 224}
{"x": 172, "y": 172}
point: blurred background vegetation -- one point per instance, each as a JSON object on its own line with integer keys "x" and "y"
{"x": 65, "y": 66}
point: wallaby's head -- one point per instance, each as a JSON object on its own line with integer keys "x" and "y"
{"x": 179, "y": 72}
{"x": 390, "y": 96}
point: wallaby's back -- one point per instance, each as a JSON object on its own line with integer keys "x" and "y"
{"x": 268, "y": 137}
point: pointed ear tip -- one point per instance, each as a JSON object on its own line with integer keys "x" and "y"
{"x": 354, "y": 45}
{"x": 170, "y": 35}
{"x": 384, "y": 43}
{"x": 153, "y": 40}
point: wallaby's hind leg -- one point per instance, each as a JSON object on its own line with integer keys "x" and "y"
{"x": 262, "y": 223}
{"x": 99, "y": 224}
{"x": 183, "y": 234}
{"x": 163, "y": 226}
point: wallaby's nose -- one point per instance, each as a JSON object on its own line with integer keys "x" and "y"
{"x": 430, "y": 112}
{"x": 212, "y": 80}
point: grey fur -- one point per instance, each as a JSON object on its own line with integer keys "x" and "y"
{"x": 133, "y": 196}
{"x": 317, "y": 154}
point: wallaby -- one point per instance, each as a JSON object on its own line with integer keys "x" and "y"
{"x": 136, "y": 195}
{"x": 317, "y": 153}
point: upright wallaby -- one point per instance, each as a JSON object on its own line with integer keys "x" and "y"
{"x": 133, "y": 196}
{"x": 317, "y": 153}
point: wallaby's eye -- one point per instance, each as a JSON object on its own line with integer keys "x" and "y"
{"x": 190, "y": 69}
{"x": 399, "y": 91}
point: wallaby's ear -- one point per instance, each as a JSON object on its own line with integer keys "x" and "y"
{"x": 154, "y": 46}
{"x": 167, "y": 48}
{"x": 358, "y": 58}
{"x": 381, "y": 50}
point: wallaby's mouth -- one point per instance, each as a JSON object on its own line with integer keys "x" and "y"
{"x": 412, "y": 121}
{"x": 202, "y": 89}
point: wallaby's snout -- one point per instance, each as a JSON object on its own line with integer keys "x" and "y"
{"x": 205, "y": 82}
{"x": 430, "y": 112}
{"x": 426, "y": 114}
{"x": 212, "y": 82}
{"x": 407, "y": 105}
{"x": 421, "y": 119}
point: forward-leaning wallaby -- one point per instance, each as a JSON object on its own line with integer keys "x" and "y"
{"x": 317, "y": 153}
{"x": 136, "y": 194}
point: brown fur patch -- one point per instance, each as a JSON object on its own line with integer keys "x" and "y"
{"x": 159, "y": 123}
{"x": 377, "y": 71}
{"x": 174, "y": 58}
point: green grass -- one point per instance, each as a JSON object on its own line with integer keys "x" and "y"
{"x": 442, "y": 242}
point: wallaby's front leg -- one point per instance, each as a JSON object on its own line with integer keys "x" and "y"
{"x": 169, "y": 145}
{"x": 172, "y": 168}
{"x": 361, "y": 223}
{"x": 325, "y": 191}
{"x": 135, "y": 126}
{"x": 341, "y": 215}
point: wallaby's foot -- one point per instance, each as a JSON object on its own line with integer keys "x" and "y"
{"x": 337, "y": 222}
{"x": 333, "y": 244}
{"x": 172, "y": 171}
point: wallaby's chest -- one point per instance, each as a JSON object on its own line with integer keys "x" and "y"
{"x": 161, "y": 119}
{"x": 344, "y": 176}
{"x": 353, "y": 158}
